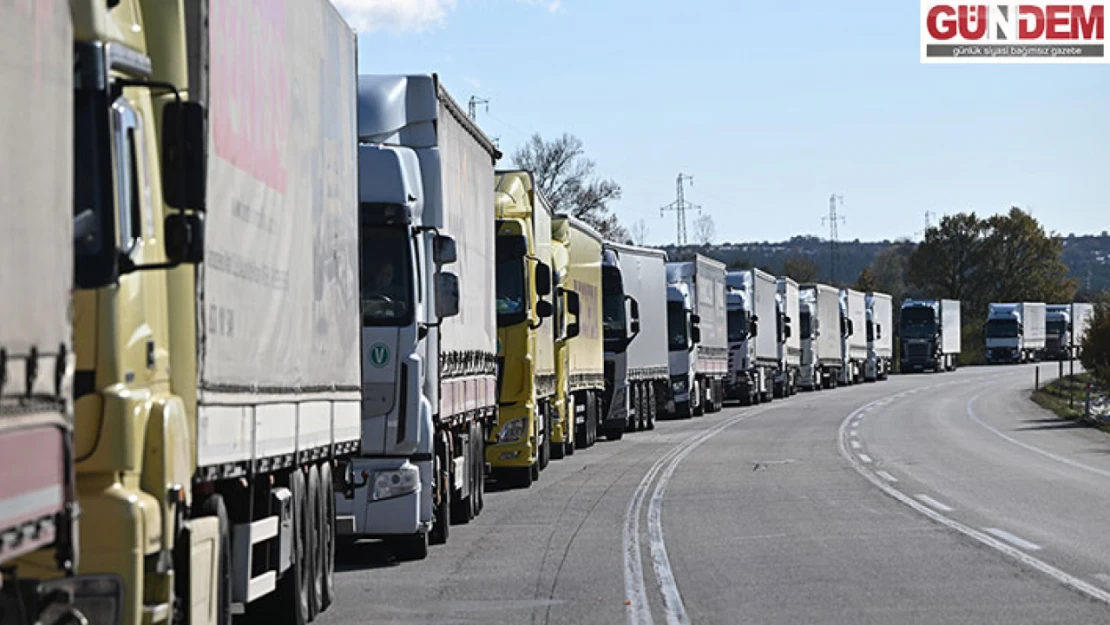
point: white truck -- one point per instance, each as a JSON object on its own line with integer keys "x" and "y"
{"x": 634, "y": 288}
{"x": 38, "y": 506}
{"x": 696, "y": 336}
{"x": 821, "y": 345}
{"x": 753, "y": 355}
{"x": 789, "y": 339}
{"x": 1066, "y": 325}
{"x": 853, "y": 338}
{"x": 429, "y": 368}
{"x": 1015, "y": 332}
{"x": 930, "y": 334}
{"x": 880, "y": 336}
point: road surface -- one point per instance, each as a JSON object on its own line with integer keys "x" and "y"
{"x": 934, "y": 498}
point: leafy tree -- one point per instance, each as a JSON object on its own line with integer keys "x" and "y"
{"x": 889, "y": 269}
{"x": 866, "y": 281}
{"x": 1095, "y": 354}
{"x": 1022, "y": 263}
{"x": 705, "y": 230}
{"x": 801, "y": 269}
{"x": 944, "y": 265}
{"x": 566, "y": 177}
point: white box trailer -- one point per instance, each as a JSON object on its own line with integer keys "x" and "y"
{"x": 754, "y": 341}
{"x": 1082, "y": 316}
{"x": 697, "y": 339}
{"x": 853, "y": 310}
{"x": 880, "y": 336}
{"x": 822, "y": 348}
{"x": 643, "y": 277}
{"x": 790, "y": 339}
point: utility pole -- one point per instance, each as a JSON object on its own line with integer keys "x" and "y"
{"x": 472, "y": 106}
{"x": 833, "y": 219}
{"x": 680, "y": 206}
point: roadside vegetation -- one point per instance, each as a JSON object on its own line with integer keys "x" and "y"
{"x": 1067, "y": 396}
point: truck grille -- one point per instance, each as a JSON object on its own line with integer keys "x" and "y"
{"x": 917, "y": 351}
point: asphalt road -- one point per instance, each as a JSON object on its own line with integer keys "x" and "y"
{"x": 806, "y": 510}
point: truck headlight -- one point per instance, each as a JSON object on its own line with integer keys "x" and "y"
{"x": 394, "y": 483}
{"x": 512, "y": 431}
{"x": 679, "y": 386}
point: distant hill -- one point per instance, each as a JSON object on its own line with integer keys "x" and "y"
{"x": 1087, "y": 256}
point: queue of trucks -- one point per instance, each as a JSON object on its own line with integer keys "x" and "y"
{"x": 250, "y": 321}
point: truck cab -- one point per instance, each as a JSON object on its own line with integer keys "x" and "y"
{"x": 1058, "y": 331}
{"x": 683, "y": 334}
{"x": 1004, "y": 334}
{"x": 809, "y": 374}
{"x": 620, "y": 324}
{"x": 930, "y": 335}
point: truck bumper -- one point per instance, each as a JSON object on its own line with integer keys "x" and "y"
{"x": 616, "y": 416}
{"x": 516, "y": 454}
{"x": 409, "y": 513}
{"x": 807, "y": 377}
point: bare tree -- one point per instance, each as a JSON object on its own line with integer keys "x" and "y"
{"x": 639, "y": 232}
{"x": 566, "y": 177}
{"x": 704, "y": 230}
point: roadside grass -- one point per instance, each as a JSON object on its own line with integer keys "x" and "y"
{"x": 1056, "y": 395}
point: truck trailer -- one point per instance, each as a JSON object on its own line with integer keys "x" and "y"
{"x": 880, "y": 336}
{"x": 822, "y": 358}
{"x": 429, "y": 372}
{"x": 753, "y": 355}
{"x": 853, "y": 337}
{"x": 1065, "y": 327}
{"x": 697, "y": 342}
{"x": 216, "y": 313}
{"x": 38, "y": 499}
{"x": 519, "y": 446}
{"x": 634, "y": 286}
{"x": 930, "y": 335}
{"x": 1015, "y": 332}
{"x": 789, "y": 339}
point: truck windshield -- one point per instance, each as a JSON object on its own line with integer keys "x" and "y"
{"x": 612, "y": 305}
{"x": 1002, "y": 328}
{"x": 805, "y": 324}
{"x": 1057, "y": 328}
{"x": 918, "y": 323}
{"x": 512, "y": 306}
{"x": 676, "y": 327}
{"x": 737, "y": 325}
{"x": 387, "y": 292}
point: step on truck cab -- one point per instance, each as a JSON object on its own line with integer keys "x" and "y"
{"x": 697, "y": 339}
{"x": 38, "y": 500}
{"x": 1015, "y": 332}
{"x": 635, "y": 317}
{"x": 821, "y": 345}
{"x": 853, "y": 337}
{"x": 585, "y": 358}
{"x": 216, "y": 309}
{"x": 429, "y": 368}
{"x": 789, "y": 339}
{"x": 1065, "y": 327}
{"x": 930, "y": 335}
{"x": 753, "y": 321}
{"x": 519, "y": 444}
{"x": 880, "y": 336}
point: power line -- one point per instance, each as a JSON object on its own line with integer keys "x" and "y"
{"x": 680, "y": 206}
{"x": 833, "y": 219}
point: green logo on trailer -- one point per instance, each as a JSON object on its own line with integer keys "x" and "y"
{"x": 379, "y": 355}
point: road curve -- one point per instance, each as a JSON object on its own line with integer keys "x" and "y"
{"x": 770, "y": 515}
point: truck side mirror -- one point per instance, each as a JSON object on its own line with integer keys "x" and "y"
{"x": 786, "y": 331}
{"x": 695, "y": 336}
{"x": 184, "y": 166}
{"x": 695, "y": 319}
{"x": 573, "y": 329}
{"x": 544, "y": 309}
{"x": 444, "y": 250}
{"x": 574, "y": 303}
{"x": 634, "y": 308}
{"x": 447, "y": 295}
{"x": 184, "y": 238}
{"x": 753, "y": 327}
{"x": 543, "y": 278}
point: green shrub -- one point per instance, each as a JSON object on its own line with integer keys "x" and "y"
{"x": 1096, "y": 344}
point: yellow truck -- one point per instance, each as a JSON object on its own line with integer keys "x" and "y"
{"x": 583, "y": 368}
{"x": 216, "y": 304}
{"x": 519, "y": 447}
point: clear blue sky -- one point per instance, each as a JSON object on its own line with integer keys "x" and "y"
{"x": 770, "y": 106}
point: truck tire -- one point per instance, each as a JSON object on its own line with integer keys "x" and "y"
{"x": 316, "y": 542}
{"x": 652, "y": 407}
{"x": 289, "y": 604}
{"x": 697, "y": 409}
{"x": 441, "y": 524}
{"x": 462, "y": 511}
{"x": 545, "y": 447}
{"x": 327, "y": 528}
{"x": 477, "y": 468}
{"x": 614, "y": 434}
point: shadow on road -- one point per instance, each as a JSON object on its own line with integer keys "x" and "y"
{"x": 1054, "y": 424}
{"x": 366, "y": 554}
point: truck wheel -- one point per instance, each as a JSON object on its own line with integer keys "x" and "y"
{"x": 652, "y": 407}
{"x": 327, "y": 528}
{"x": 290, "y": 603}
{"x": 697, "y": 409}
{"x": 462, "y": 512}
{"x": 476, "y": 468}
{"x": 441, "y": 524}
{"x": 534, "y": 471}
{"x": 545, "y": 449}
{"x": 614, "y": 434}
{"x": 406, "y": 548}
{"x": 316, "y": 543}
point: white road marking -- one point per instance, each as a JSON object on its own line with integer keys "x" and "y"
{"x": 929, "y": 501}
{"x": 1013, "y": 540}
{"x": 855, "y": 445}
{"x": 886, "y": 476}
{"x": 1047, "y": 454}
{"x": 1064, "y": 578}
{"x": 865, "y": 458}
